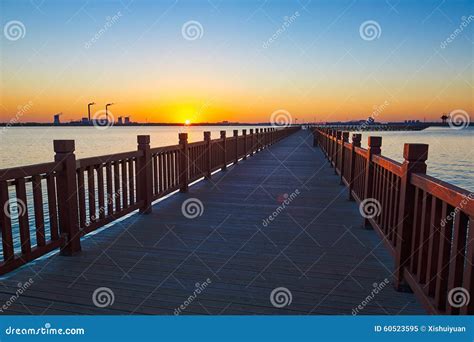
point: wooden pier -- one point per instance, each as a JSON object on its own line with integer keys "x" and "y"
{"x": 273, "y": 224}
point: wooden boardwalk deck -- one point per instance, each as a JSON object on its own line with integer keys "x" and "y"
{"x": 315, "y": 247}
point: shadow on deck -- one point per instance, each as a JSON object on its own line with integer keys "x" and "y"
{"x": 227, "y": 260}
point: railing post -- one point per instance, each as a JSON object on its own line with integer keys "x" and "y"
{"x": 415, "y": 156}
{"x": 244, "y": 133}
{"x": 251, "y": 142}
{"x": 374, "y": 147}
{"x": 207, "y": 139}
{"x": 184, "y": 162}
{"x": 345, "y": 138}
{"x": 336, "y": 152}
{"x": 330, "y": 147}
{"x": 66, "y": 183}
{"x": 224, "y": 150}
{"x": 356, "y": 139}
{"x": 257, "y": 142}
{"x": 236, "y": 138}
{"x": 144, "y": 174}
{"x": 315, "y": 137}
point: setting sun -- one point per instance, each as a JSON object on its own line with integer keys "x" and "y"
{"x": 187, "y": 122}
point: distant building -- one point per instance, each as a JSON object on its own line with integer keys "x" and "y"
{"x": 127, "y": 120}
{"x": 56, "y": 119}
{"x": 120, "y": 121}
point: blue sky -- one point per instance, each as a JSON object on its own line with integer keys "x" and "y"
{"x": 319, "y": 66}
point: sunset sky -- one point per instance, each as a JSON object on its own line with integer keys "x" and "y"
{"x": 318, "y": 67}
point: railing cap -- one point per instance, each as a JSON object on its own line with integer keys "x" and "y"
{"x": 183, "y": 136}
{"x": 207, "y": 135}
{"x": 415, "y": 152}
{"x": 222, "y": 134}
{"x": 236, "y": 132}
{"x": 375, "y": 141}
{"x": 64, "y": 146}
{"x": 143, "y": 139}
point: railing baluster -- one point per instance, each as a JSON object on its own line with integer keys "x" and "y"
{"x": 38, "y": 208}
{"x": 184, "y": 162}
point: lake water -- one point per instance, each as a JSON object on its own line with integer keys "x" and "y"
{"x": 450, "y": 157}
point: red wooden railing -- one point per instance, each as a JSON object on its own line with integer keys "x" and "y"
{"x": 426, "y": 224}
{"x": 70, "y": 198}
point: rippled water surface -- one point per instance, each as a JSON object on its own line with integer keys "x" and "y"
{"x": 451, "y": 152}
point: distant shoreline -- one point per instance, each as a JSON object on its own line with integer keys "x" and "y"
{"x": 134, "y": 124}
